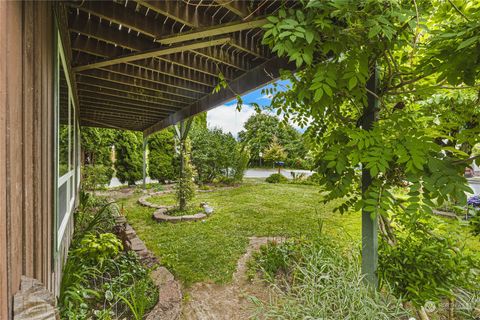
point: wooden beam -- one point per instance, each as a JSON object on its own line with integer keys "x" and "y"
{"x": 86, "y": 96}
{"x": 187, "y": 60}
{"x": 177, "y": 11}
{"x": 135, "y": 104}
{"x": 93, "y": 106}
{"x": 223, "y": 57}
{"x": 121, "y": 15}
{"x": 128, "y": 89}
{"x": 216, "y": 30}
{"x": 251, "y": 80}
{"x": 110, "y": 34}
{"x": 121, "y": 94}
{"x": 153, "y": 53}
{"x": 127, "y": 80}
{"x": 163, "y": 78}
{"x": 237, "y": 7}
{"x": 103, "y": 124}
{"x": 125, "y": 90}
{"x": 117, "y": 37}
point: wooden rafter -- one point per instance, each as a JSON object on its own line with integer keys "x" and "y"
{"x": 135, "y": 104}
{"x": 130, "y": 81}
{"x": 126, "y": 90}
{"x": 217, "y": 30}
{"x": 153, "y": 53}
{"x": 254, "y": 78}
{"x": 237, "y": 7}
{"x": 177, "y": 11}
{"x": 94, "y": 93}
{"x": 186, "y": 60}
{"x": 148, "y": 75}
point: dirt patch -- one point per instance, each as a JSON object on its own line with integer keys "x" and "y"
{"x": 208, "y": 301}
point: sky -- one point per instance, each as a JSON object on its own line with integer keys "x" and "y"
{"x": 229, "y": 119}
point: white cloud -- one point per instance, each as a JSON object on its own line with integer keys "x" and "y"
{"x": 266, "y": 97}
{"x": 228, "y": 118}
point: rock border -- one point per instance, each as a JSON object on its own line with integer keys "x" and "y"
{"x": 169, "y": 305}
{"x": 161, "y": 214}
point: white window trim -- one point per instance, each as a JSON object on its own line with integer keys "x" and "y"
{"x": 69, "y": 177}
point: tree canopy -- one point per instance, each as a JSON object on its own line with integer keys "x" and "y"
{"x": 260, "y": 130}
{"x": 419, "y": 62}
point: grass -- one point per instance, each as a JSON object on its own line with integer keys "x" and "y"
{"x": 208, "y": 251}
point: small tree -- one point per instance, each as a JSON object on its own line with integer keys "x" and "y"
{"x": 185, "y": 186}
{"x": 129, "y": 163}
{"x": 275, "y": 152}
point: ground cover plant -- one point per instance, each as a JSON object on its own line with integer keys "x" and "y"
{"x": 317, "y": 279}
{"x": 100, "y": 280}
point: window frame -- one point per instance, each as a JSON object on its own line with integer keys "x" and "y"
{"x": 70, "y": 180}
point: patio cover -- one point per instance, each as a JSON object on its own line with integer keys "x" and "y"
{"x": 145, "y": 65}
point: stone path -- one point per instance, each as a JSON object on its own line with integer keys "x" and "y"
{"x": 209, "y": 301}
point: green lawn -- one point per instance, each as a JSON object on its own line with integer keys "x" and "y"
{"x": 208, "y": 251}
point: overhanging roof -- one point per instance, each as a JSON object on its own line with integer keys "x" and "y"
{"x": 145, "y": 65}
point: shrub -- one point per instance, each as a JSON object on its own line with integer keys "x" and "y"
{"x": 241, "y": 164}
{"x": 129, "y": 152}
{"x": 276, "y": 178}
{"x": 273, "y": 259}
{"x": 96, "y": 177}
{"x": 100, "y": 281}
{"x": 161, "y": 147}
{"x": 423, "y": 267}
{"x": 324, "y": 284}
{"x": 475, "y": 223}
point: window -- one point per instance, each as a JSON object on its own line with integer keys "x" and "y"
{"x": 66, "y": 146}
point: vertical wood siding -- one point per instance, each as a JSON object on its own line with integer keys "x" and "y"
{"x": 26, "y": 148}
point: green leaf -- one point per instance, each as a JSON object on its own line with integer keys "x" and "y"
{"x": 352, "y": 82}
{"x": 468, "y": 42}
{"x": 318, "y": 95}
{"x": 309, "y": 36}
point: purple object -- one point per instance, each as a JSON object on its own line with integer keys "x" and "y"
{"x": 474, "y": 201}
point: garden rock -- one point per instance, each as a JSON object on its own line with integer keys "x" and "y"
{"x": 169, "y": 304}
{"x": 34, "y": 302}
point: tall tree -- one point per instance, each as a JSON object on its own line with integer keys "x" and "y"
{"x": 161, "y": 146}
{"x": 260, "y": 130}
{"x": 129, "y": 156}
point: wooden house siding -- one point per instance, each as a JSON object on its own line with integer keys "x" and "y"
{"x": 27, "y": 150}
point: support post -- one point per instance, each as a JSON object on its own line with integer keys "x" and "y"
{"x": 144, "y": 162}
{"x": 369, "y": 225}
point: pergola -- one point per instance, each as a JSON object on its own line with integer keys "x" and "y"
{"x": 144, "y": 65}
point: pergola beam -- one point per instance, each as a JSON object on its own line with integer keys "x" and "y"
{"x": 118, "y": 14}
{"x": 126, "y": 90}
{"x": 101, "y": 96}
{"x": 251, "y": 80}
{"x": 186, "y": 60}
{"x": 216, "y": 30}
{"x": 177, "y": 11}
{"x": 135, "y": 104}
{"x": 130, "y": 81}
{"x": 237, "y": 7}
{"x": 121, "y": 94}
{"x": 153, "y": 53}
